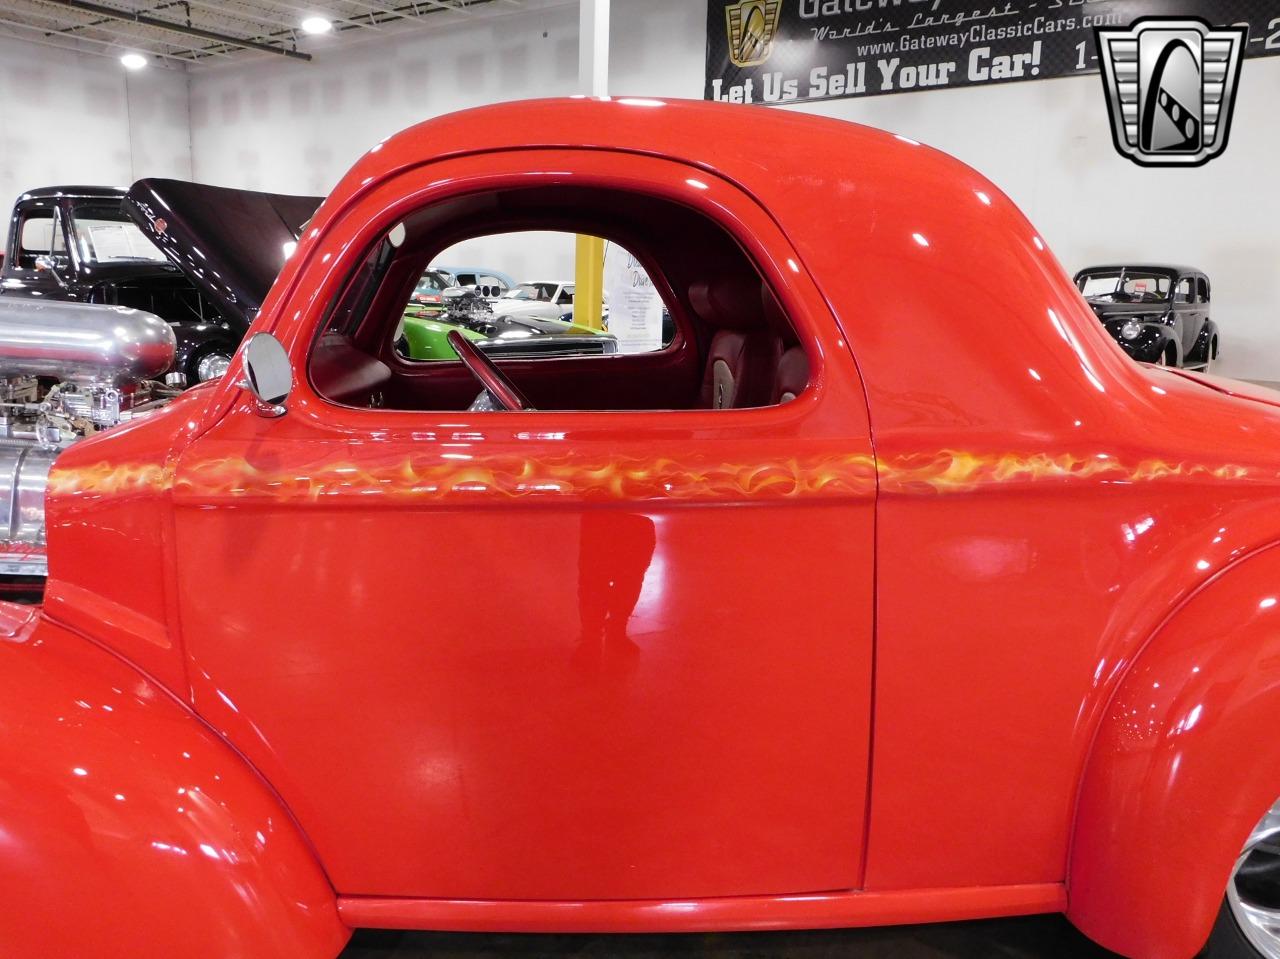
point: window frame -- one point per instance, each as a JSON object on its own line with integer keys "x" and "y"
{"x": 1191, "y": 290}
{"x": 25, "y": 258}
{"x": 333, "y": 249}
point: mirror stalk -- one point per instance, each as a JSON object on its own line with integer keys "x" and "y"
{"x": 268, "y": 374}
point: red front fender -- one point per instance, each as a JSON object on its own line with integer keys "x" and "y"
{"x": 1186, "y": 761}
{"x": 128, "y": 829}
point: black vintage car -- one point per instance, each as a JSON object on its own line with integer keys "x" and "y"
{"x": 175, "y": 249}
{"x": 1158, "y": 314}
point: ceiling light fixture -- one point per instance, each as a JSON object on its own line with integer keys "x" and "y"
{"x": 316, "y": 25}
{"x": 133, "y": 61}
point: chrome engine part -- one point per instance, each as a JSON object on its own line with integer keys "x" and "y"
{"x": 24, "y": 473}
{"x": 69, "y": 341}
{"x": 67, "y": 370}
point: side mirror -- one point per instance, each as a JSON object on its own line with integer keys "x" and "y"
{"x": 47, "y": 264}
{"x": 268, "y": 375}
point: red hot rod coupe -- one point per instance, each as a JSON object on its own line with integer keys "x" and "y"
{"x": 822, "y": 615}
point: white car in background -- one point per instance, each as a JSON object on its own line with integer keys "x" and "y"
{"x": 545, "y": 299}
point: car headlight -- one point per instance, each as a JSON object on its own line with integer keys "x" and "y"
{"x": 211, "y": 367}
{"x": 1131, "y": 330}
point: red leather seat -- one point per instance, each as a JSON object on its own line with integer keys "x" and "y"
{"x": 792, "y": 376}
{"x": 742, "y": 358}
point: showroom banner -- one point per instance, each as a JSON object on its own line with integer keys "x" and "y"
{"x": 787, "y": 51}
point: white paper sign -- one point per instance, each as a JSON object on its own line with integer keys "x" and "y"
{"x": 635, "y": 308}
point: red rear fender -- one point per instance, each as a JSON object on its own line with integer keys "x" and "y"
{"x": 1185, "y": 763}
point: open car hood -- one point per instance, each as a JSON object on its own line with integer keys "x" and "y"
{"x": 230, "y": 243}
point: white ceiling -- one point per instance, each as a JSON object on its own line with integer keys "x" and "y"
{"x": 185, "y": 33}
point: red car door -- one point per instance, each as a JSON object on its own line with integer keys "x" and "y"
{"x": 545, "y": 655}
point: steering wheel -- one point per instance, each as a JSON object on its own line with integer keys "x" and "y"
{"x": 487, "y": 372}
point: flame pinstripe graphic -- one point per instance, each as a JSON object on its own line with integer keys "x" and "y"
{"x": 958, "y": 471}
{"x": 429, "y": 479}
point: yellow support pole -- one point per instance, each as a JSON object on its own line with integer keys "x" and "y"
{"x": 588, "y": 294}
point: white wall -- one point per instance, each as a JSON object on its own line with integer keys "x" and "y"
{"x": 74, "y": 118}
{"x": 285, "y": 126}
{"x": 657, "y": 48}
{"x": 532, "y": 255}
{"x": 275, "y": 124}
{"x": 291, "y": 127}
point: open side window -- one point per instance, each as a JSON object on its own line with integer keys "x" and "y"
{"x": 39, "y": 233}
{"x": 685, "y": 321}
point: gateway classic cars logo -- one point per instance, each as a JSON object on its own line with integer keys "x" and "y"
{"x": 751, "y": 25}
{"x": 1170, "y": 85}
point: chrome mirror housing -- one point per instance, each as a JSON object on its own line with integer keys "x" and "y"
{"x": 47, "y": 264}
{"x": 268, "y": 374}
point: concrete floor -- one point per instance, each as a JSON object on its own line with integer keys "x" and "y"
{"x": 1036, "y": 937}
